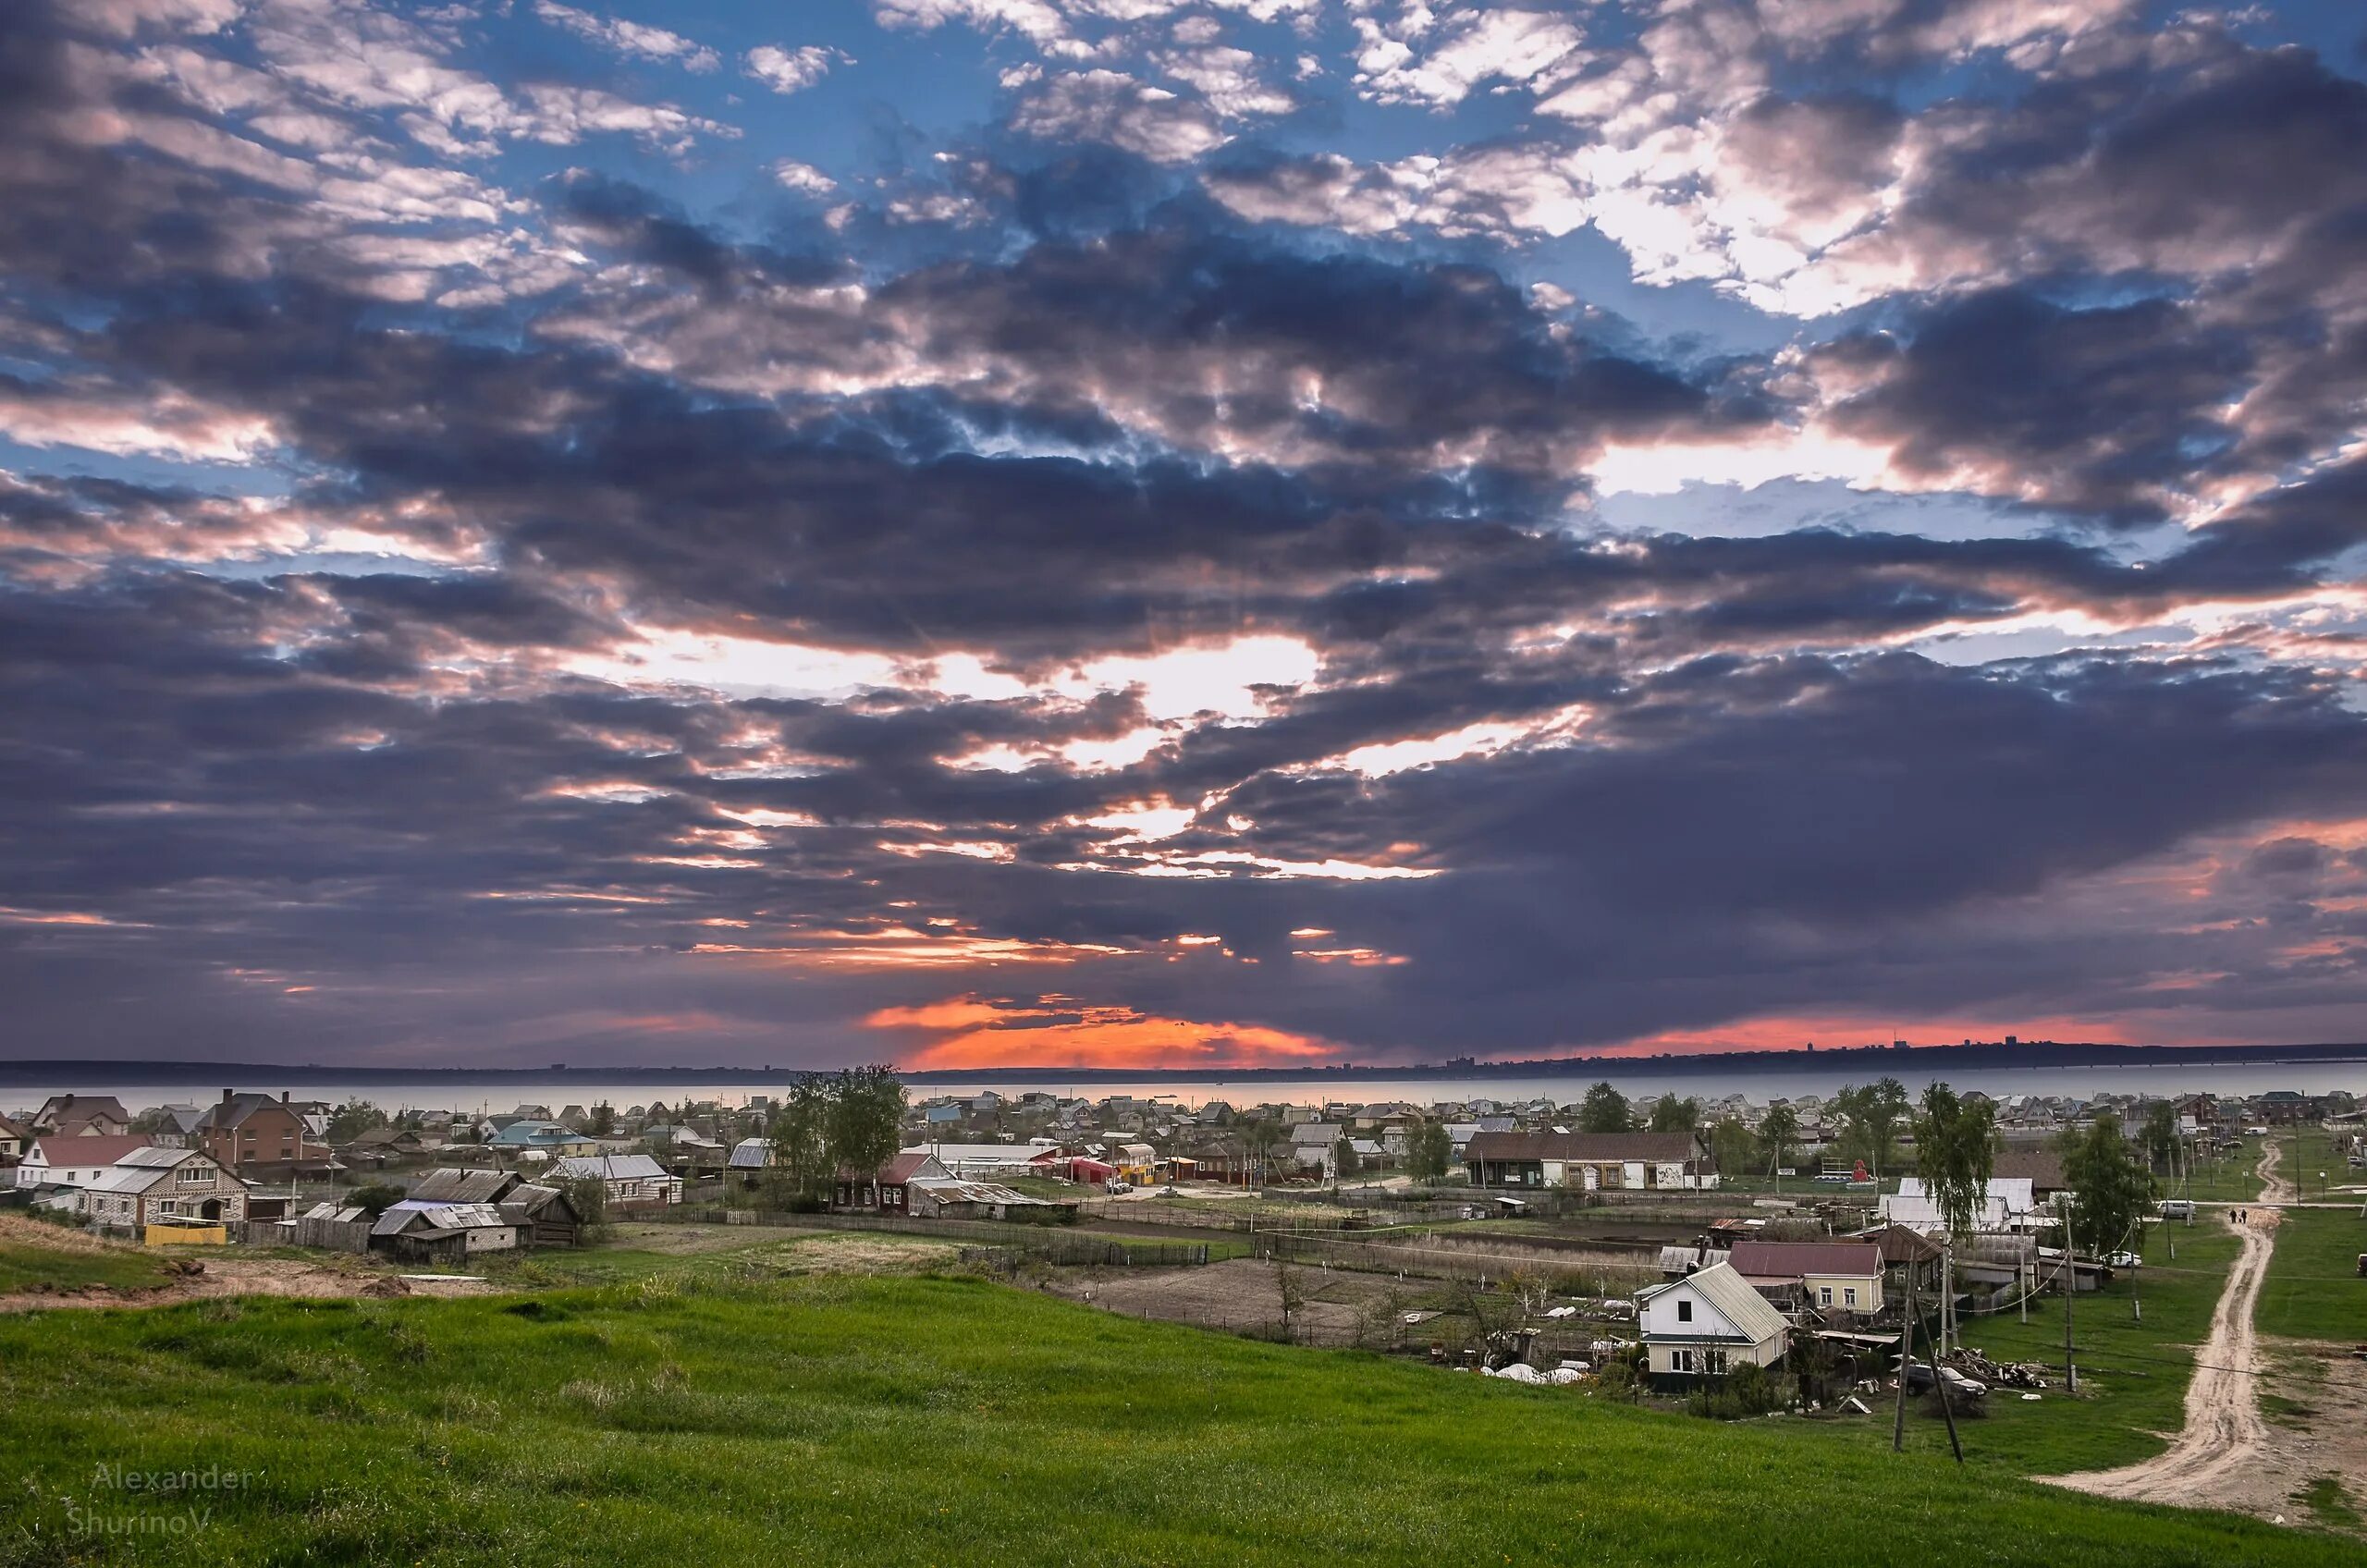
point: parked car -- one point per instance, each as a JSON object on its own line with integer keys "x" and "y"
{"x": 1919, "y": 1381}
{"x": 2178, "y": 1209}
{"x": 2125, "y": 1260}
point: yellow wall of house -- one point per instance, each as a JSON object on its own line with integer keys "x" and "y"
{"x": 1870, "y": 1291}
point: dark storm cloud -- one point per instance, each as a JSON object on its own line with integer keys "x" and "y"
{"x": 2104, "y": 410}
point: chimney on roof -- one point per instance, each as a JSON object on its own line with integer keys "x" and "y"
{"x": 282, "y": 1097}
{"x": 226, "y": 1097}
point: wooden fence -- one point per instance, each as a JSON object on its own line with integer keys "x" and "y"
{"x": 349, "y": 1236}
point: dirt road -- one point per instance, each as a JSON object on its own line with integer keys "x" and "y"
{"x": 2274, "y": 1188}
{"x": 2215, "y": 1460}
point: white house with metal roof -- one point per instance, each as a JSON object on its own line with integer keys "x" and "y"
{"x": 155, "y": 1184}
{"x": 1705, "y": 1325}
{"x": 2007, "y": 1199}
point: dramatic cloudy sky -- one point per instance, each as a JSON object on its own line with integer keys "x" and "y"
{"x": 1178, "y": 531}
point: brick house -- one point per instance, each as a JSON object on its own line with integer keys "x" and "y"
{"x": 153, "y": 1183}
{"x": 260, "y": 1138}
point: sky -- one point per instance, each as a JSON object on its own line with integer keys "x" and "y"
{"x": 1178, "y": 532}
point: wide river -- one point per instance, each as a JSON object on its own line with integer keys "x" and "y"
{"x": 429, "y": 1092}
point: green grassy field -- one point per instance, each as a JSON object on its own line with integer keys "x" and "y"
{"x": 2225, "y": 1178}
{"x": 2314, "y": 1290}
{"x": 2133, "y": 1372}
{"x": 2309, "y": 1163}
{"x": 932, "y": 1420}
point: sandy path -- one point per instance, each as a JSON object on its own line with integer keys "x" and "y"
{"x": 2274, "y": 1188}
{"x": 2214, "y": 1461}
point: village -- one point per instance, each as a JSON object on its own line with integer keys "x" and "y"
{"x": 1672, "y": 1239}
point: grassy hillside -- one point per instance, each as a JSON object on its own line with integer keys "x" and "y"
{"x": 30, "y": 1260}
{"x": 934, "y": 1420}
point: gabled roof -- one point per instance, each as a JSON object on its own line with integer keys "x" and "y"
{"x": 1788, "y": 1260}
{"x": 611, "y": 1167}
{"x": 449, "y": 1184}
{"x": 432, "y": 1218}
{"x": 225, "y": 1114}
{"x": 524, "y": 1203}
{"x": 1899, "y": 1245}
{"x": 61, "y": 1109}
{"x": 2042, "y": 1169}
{"x": 1731, "y": 1297}
{"x": 142, "y": 1169}
{"x": 152, "y": 1159}
{"x": 75, "y": 1150}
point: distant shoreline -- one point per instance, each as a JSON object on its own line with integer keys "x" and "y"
{"x": 1874, "y": 1060}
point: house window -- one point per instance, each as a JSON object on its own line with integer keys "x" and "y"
{"x": 1849, "y": 1296}
{"x": 1824, "y": 1295}
{"x": 1685, "y": 1312}
{"x": 1714, "y": 1362}
{"x": 1680, "y": 1361}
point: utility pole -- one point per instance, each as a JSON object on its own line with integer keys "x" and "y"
{"x": 2070, "y": 1288}
{"x": 1906, "y": 1360}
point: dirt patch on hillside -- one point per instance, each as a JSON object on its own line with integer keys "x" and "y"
{"x": 214, "y": 1273}
{"x": 1245, "y": 1296}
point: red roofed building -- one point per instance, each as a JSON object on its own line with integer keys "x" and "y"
{"x": 74, "y": 1161}
{"x": 1835, "y": 1276}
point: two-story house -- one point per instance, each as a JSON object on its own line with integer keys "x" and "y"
{"x": 156, "y": 1183}
{"x": 59, "y": 1168}
{"x": 260, "y": 1138}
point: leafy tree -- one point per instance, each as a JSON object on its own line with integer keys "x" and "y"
{"x": 353, "y": 1119}
{"x": 1732, "y": 1145}
{"x": 2110, "y": 1186}
{"x": 1606, "y": 1111}
{"x": 588, "y": 1195}
{"x": 603, "y": 1122}
{"x": 1955, "y": 1151}
{"x": 1871, "y": 1117}
{"x": 1344, "y": 1159}
{"x": 377, "y": 1197}
{"x": 1432, "y": 1152}
{"x": 863, "y": 1121}
{"x": 798, "y": 1128}
{"x": 1778, "y": 1131}
{"x": 2160, "y": 1135}
{"x": 1674, "y": 1115}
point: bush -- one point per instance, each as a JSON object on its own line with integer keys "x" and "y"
{"x": 377, "y": 1197}
{"x": 1747, "y": 1390}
